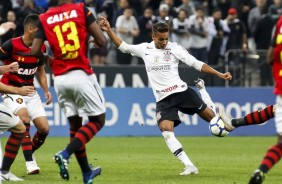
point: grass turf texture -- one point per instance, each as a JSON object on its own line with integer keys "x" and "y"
{"x": 147, "y": 160}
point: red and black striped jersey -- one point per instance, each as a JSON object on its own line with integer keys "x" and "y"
{"x": 65, "y": 28}
{"x": 14, "y": 50}
{"x": 277, "y": 58}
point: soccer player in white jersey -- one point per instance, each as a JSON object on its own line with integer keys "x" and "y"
{"x": 8, "y": 121}
{"x": 161, "y": 59}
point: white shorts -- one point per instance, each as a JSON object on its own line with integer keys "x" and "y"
{"x": 33, "y": 104}
{"x": 7, "y": 119}
{"x": 79, "y": 94}
{"x": 278, "y": 115}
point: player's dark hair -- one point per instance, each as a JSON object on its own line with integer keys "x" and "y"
{"x": 31, "y": 19}
{"x": 160, "y": 27}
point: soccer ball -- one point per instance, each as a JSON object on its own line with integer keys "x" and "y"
{"x": 217, "y": 127}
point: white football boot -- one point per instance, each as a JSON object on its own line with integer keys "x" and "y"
{"x": 190, "y": 169}
{"x": 31, "y": 167}
{"x": 226, "y": 119}
{"x": 10, "y": 177}
{"x": 200, "y": 84}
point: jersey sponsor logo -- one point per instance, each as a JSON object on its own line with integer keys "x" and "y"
{"x": 24, "y": 71}
{"x": 162, "y": 68}
{"x": 19, "y": 100}
{"x": 62, "y": 16}
{"x": 169, "y": 89}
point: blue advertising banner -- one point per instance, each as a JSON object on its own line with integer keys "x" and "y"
{"x": 131, "y": 112}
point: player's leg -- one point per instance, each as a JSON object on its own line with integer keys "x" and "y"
{"x": 87, "y": 100}
{"x": 274, "y": 153}
{"x": 41, "y": 124}
{"x": 253, "y": 118}
{"x": 39, "y": 118}
{"x": 167, "y": 129}
{"x": 31, "y": 165}
{"x": 12, "y": 123}
{"x": 200, "y": 85}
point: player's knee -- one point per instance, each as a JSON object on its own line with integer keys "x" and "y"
{"x": 19, "y": 128}
{"x": 25, "y": 119}
{"x": 44, "y": 130}
{"x": 100, "y": 119}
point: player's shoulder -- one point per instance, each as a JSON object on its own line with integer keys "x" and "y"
{"x": 173, "y": 45}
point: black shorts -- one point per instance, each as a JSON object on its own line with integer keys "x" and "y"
{"x": 187, "y": 102}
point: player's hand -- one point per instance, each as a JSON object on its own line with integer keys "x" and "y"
{"x": 49, "y": 97}
{"x": 26, "y": 90}
{"x": 7, "y": 26}
{"x": 13, "y": 67}
{"x": 104, "y": 24}
{"x": 226, "y": 76}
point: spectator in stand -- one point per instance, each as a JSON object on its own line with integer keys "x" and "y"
{"x": 127, "y": 28}
{"x": 122, "y": 5}
{"x": 216, "y": 24}
{"x": 254, "y": 16}
{"x": 145, "y": 22}
{"x": 98, "y": 55}
{"x": 198, "y": 41}
{"x": 5, "y": 6}
{"x": 164, "y": 15}
{"x": 237, "y": 37}
{"x": 188, "y": 6}
{"x": 27, "y": 8}
{"x": 262, "y": 36}
{"x": 243, "y": 7}
{"x": 180, "y": 26}
{"x": 223, "y": 6}
{"x": 172, "y": 10}
{"x": 275, "y": 10}
{"x": 11, "y": 17}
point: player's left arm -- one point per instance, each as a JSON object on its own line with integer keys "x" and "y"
{"x": 42, "y": 79}
{"x": 37, "y": 44}
{"x": 183, "y": 55}
{"x": 94, "y": 29}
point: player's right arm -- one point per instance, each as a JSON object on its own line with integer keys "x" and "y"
{"x": 25, "y": 90}
{"x": 119, "y": 43}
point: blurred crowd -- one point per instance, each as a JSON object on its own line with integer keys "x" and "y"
{"x": 207, "y": 28}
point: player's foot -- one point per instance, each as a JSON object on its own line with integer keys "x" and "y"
{"x": 257, "y": 177}
{"x": 31, "y": 167}
{"x": 10, "y": 177}
{"x": 200, "y": 84}
{"x": 227, "y": 119}
{"x": 89, "y": 176}
{"x": 190, "y": 169}
{"x": 63, "y": 165}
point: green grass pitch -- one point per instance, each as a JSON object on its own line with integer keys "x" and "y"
{"x": 147, "y": 160}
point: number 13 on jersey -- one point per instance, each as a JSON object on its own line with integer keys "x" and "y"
{"x": 69, "y": 43}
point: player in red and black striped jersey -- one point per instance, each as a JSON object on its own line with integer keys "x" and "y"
{"x": 274, "y": 153}
{"x": 26, "y": 107}
{"x": 66, "y": 27}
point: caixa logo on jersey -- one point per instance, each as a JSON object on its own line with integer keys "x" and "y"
{"x": 161, "y": 68}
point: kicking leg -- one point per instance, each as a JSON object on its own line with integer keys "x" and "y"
{"x": 200, "y": 85}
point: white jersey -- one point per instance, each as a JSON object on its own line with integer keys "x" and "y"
{"x": 162, "y": 66}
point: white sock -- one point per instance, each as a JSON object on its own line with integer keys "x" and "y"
{"x": 176, "y": 148}
{"x": 207, "y": 99}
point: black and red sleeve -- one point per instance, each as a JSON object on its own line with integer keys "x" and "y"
{"x": 6, "y": 50}
{"x": 89, "y": 16}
